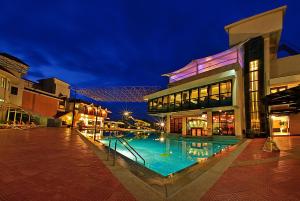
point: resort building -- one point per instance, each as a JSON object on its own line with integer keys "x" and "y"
{"x": 225, "y": 93}
{"x": 84, "y": 114}
{"x": 11, "y": 84}
{"x": 42, "y": 104}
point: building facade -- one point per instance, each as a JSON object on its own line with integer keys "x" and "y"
{"x": 224, "y": 94}
{"x": 80, "y": 112}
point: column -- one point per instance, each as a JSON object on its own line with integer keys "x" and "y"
{"x": 239, "y": 105}
{"x": 209, "y": 123}
{"x": 184, "y": 130}
{"x": 168, "y": 123}
{"x": 267, "y": 61}
{"x": 15, "y": 116}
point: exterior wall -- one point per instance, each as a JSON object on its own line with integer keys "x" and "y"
{"x": 287, "y": 66}
{"x": 295, "y": 124}
{"x": 257, "y": 25}
{"x": 39, "y": 104}
{"x": 62, "y": 88}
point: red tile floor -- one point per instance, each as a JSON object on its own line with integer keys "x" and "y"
{"x": 261, "y": 176}
{"x": 53, "y": 164}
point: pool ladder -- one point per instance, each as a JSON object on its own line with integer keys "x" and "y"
{"x": 127, "y": 146}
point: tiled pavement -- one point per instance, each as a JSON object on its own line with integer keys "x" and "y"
{"x": 261, "y": 176}
{"x": 53, "y": 164}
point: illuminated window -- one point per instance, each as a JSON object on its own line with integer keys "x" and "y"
{"x": 159, "y": 103}
{"x": 166, "y": 102}
{"x": 223, "y": 123}
{"x": 185, "y": 99}
{"x": 178, "y": 100}
{"x": 154, "y": 104}
{"x": 172, "y": 101}
{"x": 254, "y": 95}
{"x": 194, "y": 97}
{"x": 225, "y": 93}
{"x": 277, "y": 89}
{"x": 203, "y": 94}
{"x": 214, "y": 95}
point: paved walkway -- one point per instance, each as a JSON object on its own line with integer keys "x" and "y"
{"x": 261, "y": 176}
{"x": 53, "y": 164}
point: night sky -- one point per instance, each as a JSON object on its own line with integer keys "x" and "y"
{"x": 124, "y": 43}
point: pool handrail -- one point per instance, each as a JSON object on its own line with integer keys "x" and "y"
{"x": 126, "y": 145}
{"x": 117, "y": 139}
{"x": 124, "y": 140}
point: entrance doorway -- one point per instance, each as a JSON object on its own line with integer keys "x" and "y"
{"x": 197, "y": 126}
{"x": 280, "y": 125}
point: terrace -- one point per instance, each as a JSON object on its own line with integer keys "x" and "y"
{"x": 199, "y": 66}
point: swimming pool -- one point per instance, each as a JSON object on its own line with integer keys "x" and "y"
{"x": 167, "y": 155}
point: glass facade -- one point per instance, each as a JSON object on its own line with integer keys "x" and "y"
{"x": 213, "y": 95}
{"x": 254, "y": 95}
{"x": 223, "y": 123}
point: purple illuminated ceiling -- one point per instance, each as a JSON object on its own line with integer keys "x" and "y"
{"x": 231, "y": 56}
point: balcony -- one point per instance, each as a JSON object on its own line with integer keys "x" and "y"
{"x": 198, "y": 66}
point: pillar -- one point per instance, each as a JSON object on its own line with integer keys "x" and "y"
{"x": 209, "y": 123}
{"x": 168, "y": 123}
{"x": 184, "y": 130}
{"x": 8, "y": 113}
{"x": 239, "y": 103}
{"x": 21, "y": 117}
{"x": 267, "y": 60}
{"x": 15, "y": 116}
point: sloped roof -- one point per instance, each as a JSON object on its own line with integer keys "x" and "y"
{"x": 13, "y": 58}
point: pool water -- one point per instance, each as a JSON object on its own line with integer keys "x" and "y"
{"x": 168, "y": 155}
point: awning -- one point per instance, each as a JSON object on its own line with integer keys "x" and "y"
{"x": 289, "y": 97}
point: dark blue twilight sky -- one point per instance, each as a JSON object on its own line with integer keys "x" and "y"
{"x": 117, "y": 43}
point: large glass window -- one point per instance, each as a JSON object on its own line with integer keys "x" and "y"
{"x": 223, "y": 123}
{"x": 185, "y": 99}
{"x": 178, "y": 100}
{"x": 225, "y": 93}
{"x": 194, "y": 98}
{"x": 172, "y": 102}
{"x": 165, "y": 102}
{"x": 203, "y": 96}
{"x": 159, "y": 103}
{"x": 254, "y": 96}
{"x": 214, "y": 95}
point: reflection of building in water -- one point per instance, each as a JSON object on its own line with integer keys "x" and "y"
{"x": 200, "y": 149}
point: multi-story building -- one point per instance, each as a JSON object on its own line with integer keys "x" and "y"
{"x": 11, "y": 84}
{"x": 84, "y": 113}
{"x": 224, "y": 94}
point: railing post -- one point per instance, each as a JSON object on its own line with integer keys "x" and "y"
{"x": 115, "y": 154}
{"x": 108, "y": 149}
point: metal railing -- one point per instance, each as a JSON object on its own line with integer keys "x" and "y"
{"x": 127, "y": 146}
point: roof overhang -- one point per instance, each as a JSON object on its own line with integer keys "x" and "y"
{"x": 270, "y": 22}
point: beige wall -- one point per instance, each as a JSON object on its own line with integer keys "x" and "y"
{"x": 268, "y": 22}
{"x": 286, "y": 66}
{"x": 62, "y": 88}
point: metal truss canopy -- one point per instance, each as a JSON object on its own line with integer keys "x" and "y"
{"x": 118, "y": 94}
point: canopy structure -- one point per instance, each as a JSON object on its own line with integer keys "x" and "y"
{"x": 118, "y": 94}
{"x": 287, "y": 101}
{"x": 230, "y": 56}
